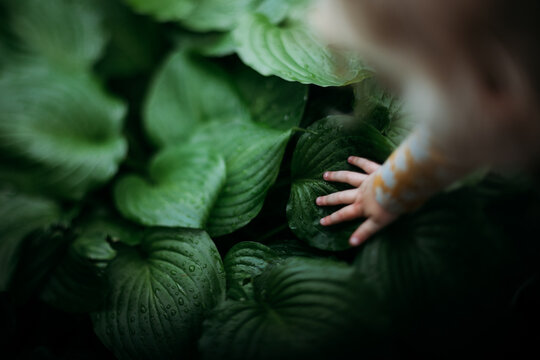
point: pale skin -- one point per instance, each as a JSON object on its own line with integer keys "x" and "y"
{"x": 360, "y": 202}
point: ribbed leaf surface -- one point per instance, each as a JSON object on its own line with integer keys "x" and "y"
{"x": 326, "y": 147}
{"x": 159, "y": 294}
{"x": 60, "y": 133}
{"x": 301, "y": 307}
{"x": 187, "y": 92}
{"x": 293, "y": 53}
{"x": 182, "y": 188}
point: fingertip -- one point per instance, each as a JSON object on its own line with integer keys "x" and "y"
{"x": 323, "y": 222}
{"x": 326, "y": 175}
{"x": 318, "y": 201}
{"x": 354, "y": 241}
{"x": 350, "y": 159}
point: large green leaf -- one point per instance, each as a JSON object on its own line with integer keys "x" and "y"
{"x": 19, "y": 216}
{"x": 70, "y": 33}
{"x": 243, "y": 263}
{"x": 183, "y": 185}
{"x": 77, "y": 283}
{"x": 326, "y": 147}
{"x": 159, "y": 295}
{"x": 246, "y": 260}
{"x": 60, "y": 133}
{"x": 302, "y": 308}
{"x": 164, "y": 10}
{"x": 252, "y": 154}
{"x": 248, "y": 122}
{"x": 187, "y": 92}
{"x": 293, "y": 53}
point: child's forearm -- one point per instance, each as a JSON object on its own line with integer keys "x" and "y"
{"x": 414, "y": 172}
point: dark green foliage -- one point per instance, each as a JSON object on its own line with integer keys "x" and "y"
{"x": 160, "y": 161}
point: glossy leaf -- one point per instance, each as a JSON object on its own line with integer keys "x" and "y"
{"x": 301, "y": 307}
{"x": 69, "y": 33}
{"x": 293, "y": 53}
{"x": 19, "y": 216}
{"x": 182, "y": 187}
{"x": 246, "y": 260}
{"x": 326, "y": 147}
{"x": 187, "y": 92}
{"x": 159, "y": 294}
{"x": 252, "y": 154}
{"x": 243, "y": 263}
{"x": 61, "y": 134}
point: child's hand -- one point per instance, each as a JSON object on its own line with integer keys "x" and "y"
{"x": 361, "y": 201}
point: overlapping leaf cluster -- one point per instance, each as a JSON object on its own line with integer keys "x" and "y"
{"x": 179, "y": 213}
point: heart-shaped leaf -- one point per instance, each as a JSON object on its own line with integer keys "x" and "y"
{"x": 252, "y": 154}
{"x": 301, "y": 308}
{"x": 326, "y": 147}
{"x": 248, "y": 122}
{"x": 61, "y": 134}
{"x": 184, "y": 183}
{"x": 187, "y": 92}
{"x": 159, "y": 294}
{"x": 293, "y": 53}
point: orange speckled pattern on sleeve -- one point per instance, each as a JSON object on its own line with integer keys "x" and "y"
{"x": 414, "y": 172}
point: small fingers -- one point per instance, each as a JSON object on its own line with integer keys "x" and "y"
{"x": 339, "y": 198}
{"x": 347, "y": 213}
{"x": 367, "y": 165}
{"x": 350, "y": 177}
{"x": 364, "y": 232}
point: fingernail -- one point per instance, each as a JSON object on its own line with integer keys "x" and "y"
{"x": 326, "y": 174}
{"x": 350, "y": 159}
{"x": 318, "y": 201}
{"x": 354, "y": 241}
{"x": 323, "y": 221}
